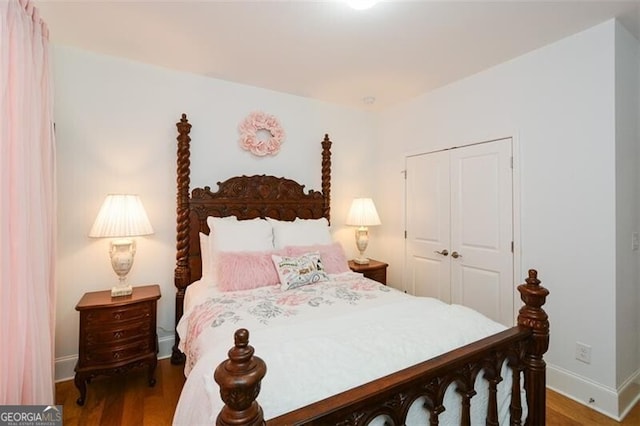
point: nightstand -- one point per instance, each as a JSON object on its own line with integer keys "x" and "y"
{"x": 116, "y": 335}
{"x": 374, "y": 269}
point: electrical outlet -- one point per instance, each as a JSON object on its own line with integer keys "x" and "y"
{"x": 635, "y": 241}
{"x": 583, "y": 353}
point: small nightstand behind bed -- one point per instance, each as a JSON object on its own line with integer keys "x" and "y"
{"x": 116, "y": 334}
{"x": 374, "y": 270}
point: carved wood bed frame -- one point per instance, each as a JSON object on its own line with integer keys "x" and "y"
{"x": 245, "y": 197}
{"x": 248, "y": 197}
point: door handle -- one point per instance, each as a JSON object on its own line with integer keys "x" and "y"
{"x": 444, "y": 252}
{"x": 456, "y": 255}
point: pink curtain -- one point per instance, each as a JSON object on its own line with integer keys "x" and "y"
{"x": 27, "y": 208}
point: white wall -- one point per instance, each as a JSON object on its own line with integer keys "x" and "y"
{"x": 627, "y": 219}
{"x": 558, "y": 103}
{"x": 115, "y": 128}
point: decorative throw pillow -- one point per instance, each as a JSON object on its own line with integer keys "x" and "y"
{"x": 300, "y": 232}
{"x": 332, "y": 255}
{"x": 297, "y": 271}
{"x": 245, "y": 270}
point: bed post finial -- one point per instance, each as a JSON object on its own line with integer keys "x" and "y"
{"x": 326, "y": 175}
{"x": 532, "y": 316}
{"x": 182, "y": 273}
{"x": 239, "y": 379}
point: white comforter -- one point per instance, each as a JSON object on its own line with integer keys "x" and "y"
{"x": 367, "y": 329}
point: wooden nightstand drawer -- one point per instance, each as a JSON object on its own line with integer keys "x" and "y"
{"x": 103, "y": 354}
{"x": 118, "y": 335}
{"x": 108, "y": 316}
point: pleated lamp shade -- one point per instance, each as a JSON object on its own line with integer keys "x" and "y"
{"x": 363, "y": 213}
{"x": 121, "y": 215}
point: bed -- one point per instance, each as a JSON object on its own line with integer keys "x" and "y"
{"x": 340, "y": 349}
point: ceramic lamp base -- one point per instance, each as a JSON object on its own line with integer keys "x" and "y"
{"x": 122, "y": 252}
{"x": 362, "y": 240}
{"x": 117, "y": 291}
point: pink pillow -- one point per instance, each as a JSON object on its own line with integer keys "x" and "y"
{"x": 244, "y": 270}
{"x": 332, "y": 255}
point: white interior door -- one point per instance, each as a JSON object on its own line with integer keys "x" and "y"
{"x": 461, "y": 201}
{"x": 482, "y": 229}
{"x": 428, "y": 227}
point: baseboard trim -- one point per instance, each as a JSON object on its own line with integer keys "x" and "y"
{"x": 629, "y": 394}
{"x": 614, "y": 403}
{"x": 165, "y": 346}
{"x": 585, "y": 391}
{"x": 65, "y": 365}
{"x": 64, "y": 368}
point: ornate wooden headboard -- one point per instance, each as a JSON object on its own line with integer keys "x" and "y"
{"x": 245, "y": 197}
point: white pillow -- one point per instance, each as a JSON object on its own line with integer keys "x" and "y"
{"x": 231, "y": 234}
{"x": 205, "y": 257}
{"x": 207, "y": 263}
{"x": 300, "y": 232}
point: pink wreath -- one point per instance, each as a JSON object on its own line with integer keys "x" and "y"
{"x": 249, "y": 139}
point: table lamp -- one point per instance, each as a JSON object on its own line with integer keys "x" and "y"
{"x": 121, "y": 216}
{"x": 362, "y": 214}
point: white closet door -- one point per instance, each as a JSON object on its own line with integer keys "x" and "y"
{"x": 428, "y": 227}
{"x": 482, "y": 229}
{"x": 461, "y": 201}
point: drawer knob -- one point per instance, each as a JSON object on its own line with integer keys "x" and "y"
{"x": 117, "y": 334}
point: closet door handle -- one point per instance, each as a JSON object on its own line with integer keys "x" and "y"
{"x": 456, "y": 255}
{"x": 444, "y": 252}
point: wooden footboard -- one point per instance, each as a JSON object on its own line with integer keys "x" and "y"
{"x": 522, "y": 347}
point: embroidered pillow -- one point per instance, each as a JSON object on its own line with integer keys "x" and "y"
{"x": 246, "y": 270}
{"x": 297, "y": 271}
{"x": 332, "y": 255}
{"x": 300, "y": 232}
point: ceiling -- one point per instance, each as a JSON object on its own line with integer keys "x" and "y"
{"x": 324, "y": 49}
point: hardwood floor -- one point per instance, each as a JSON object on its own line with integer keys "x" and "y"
{"x": 129, "y": 401}
{"x": 124, "y": 400}
{"x": 562, "y": 411}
